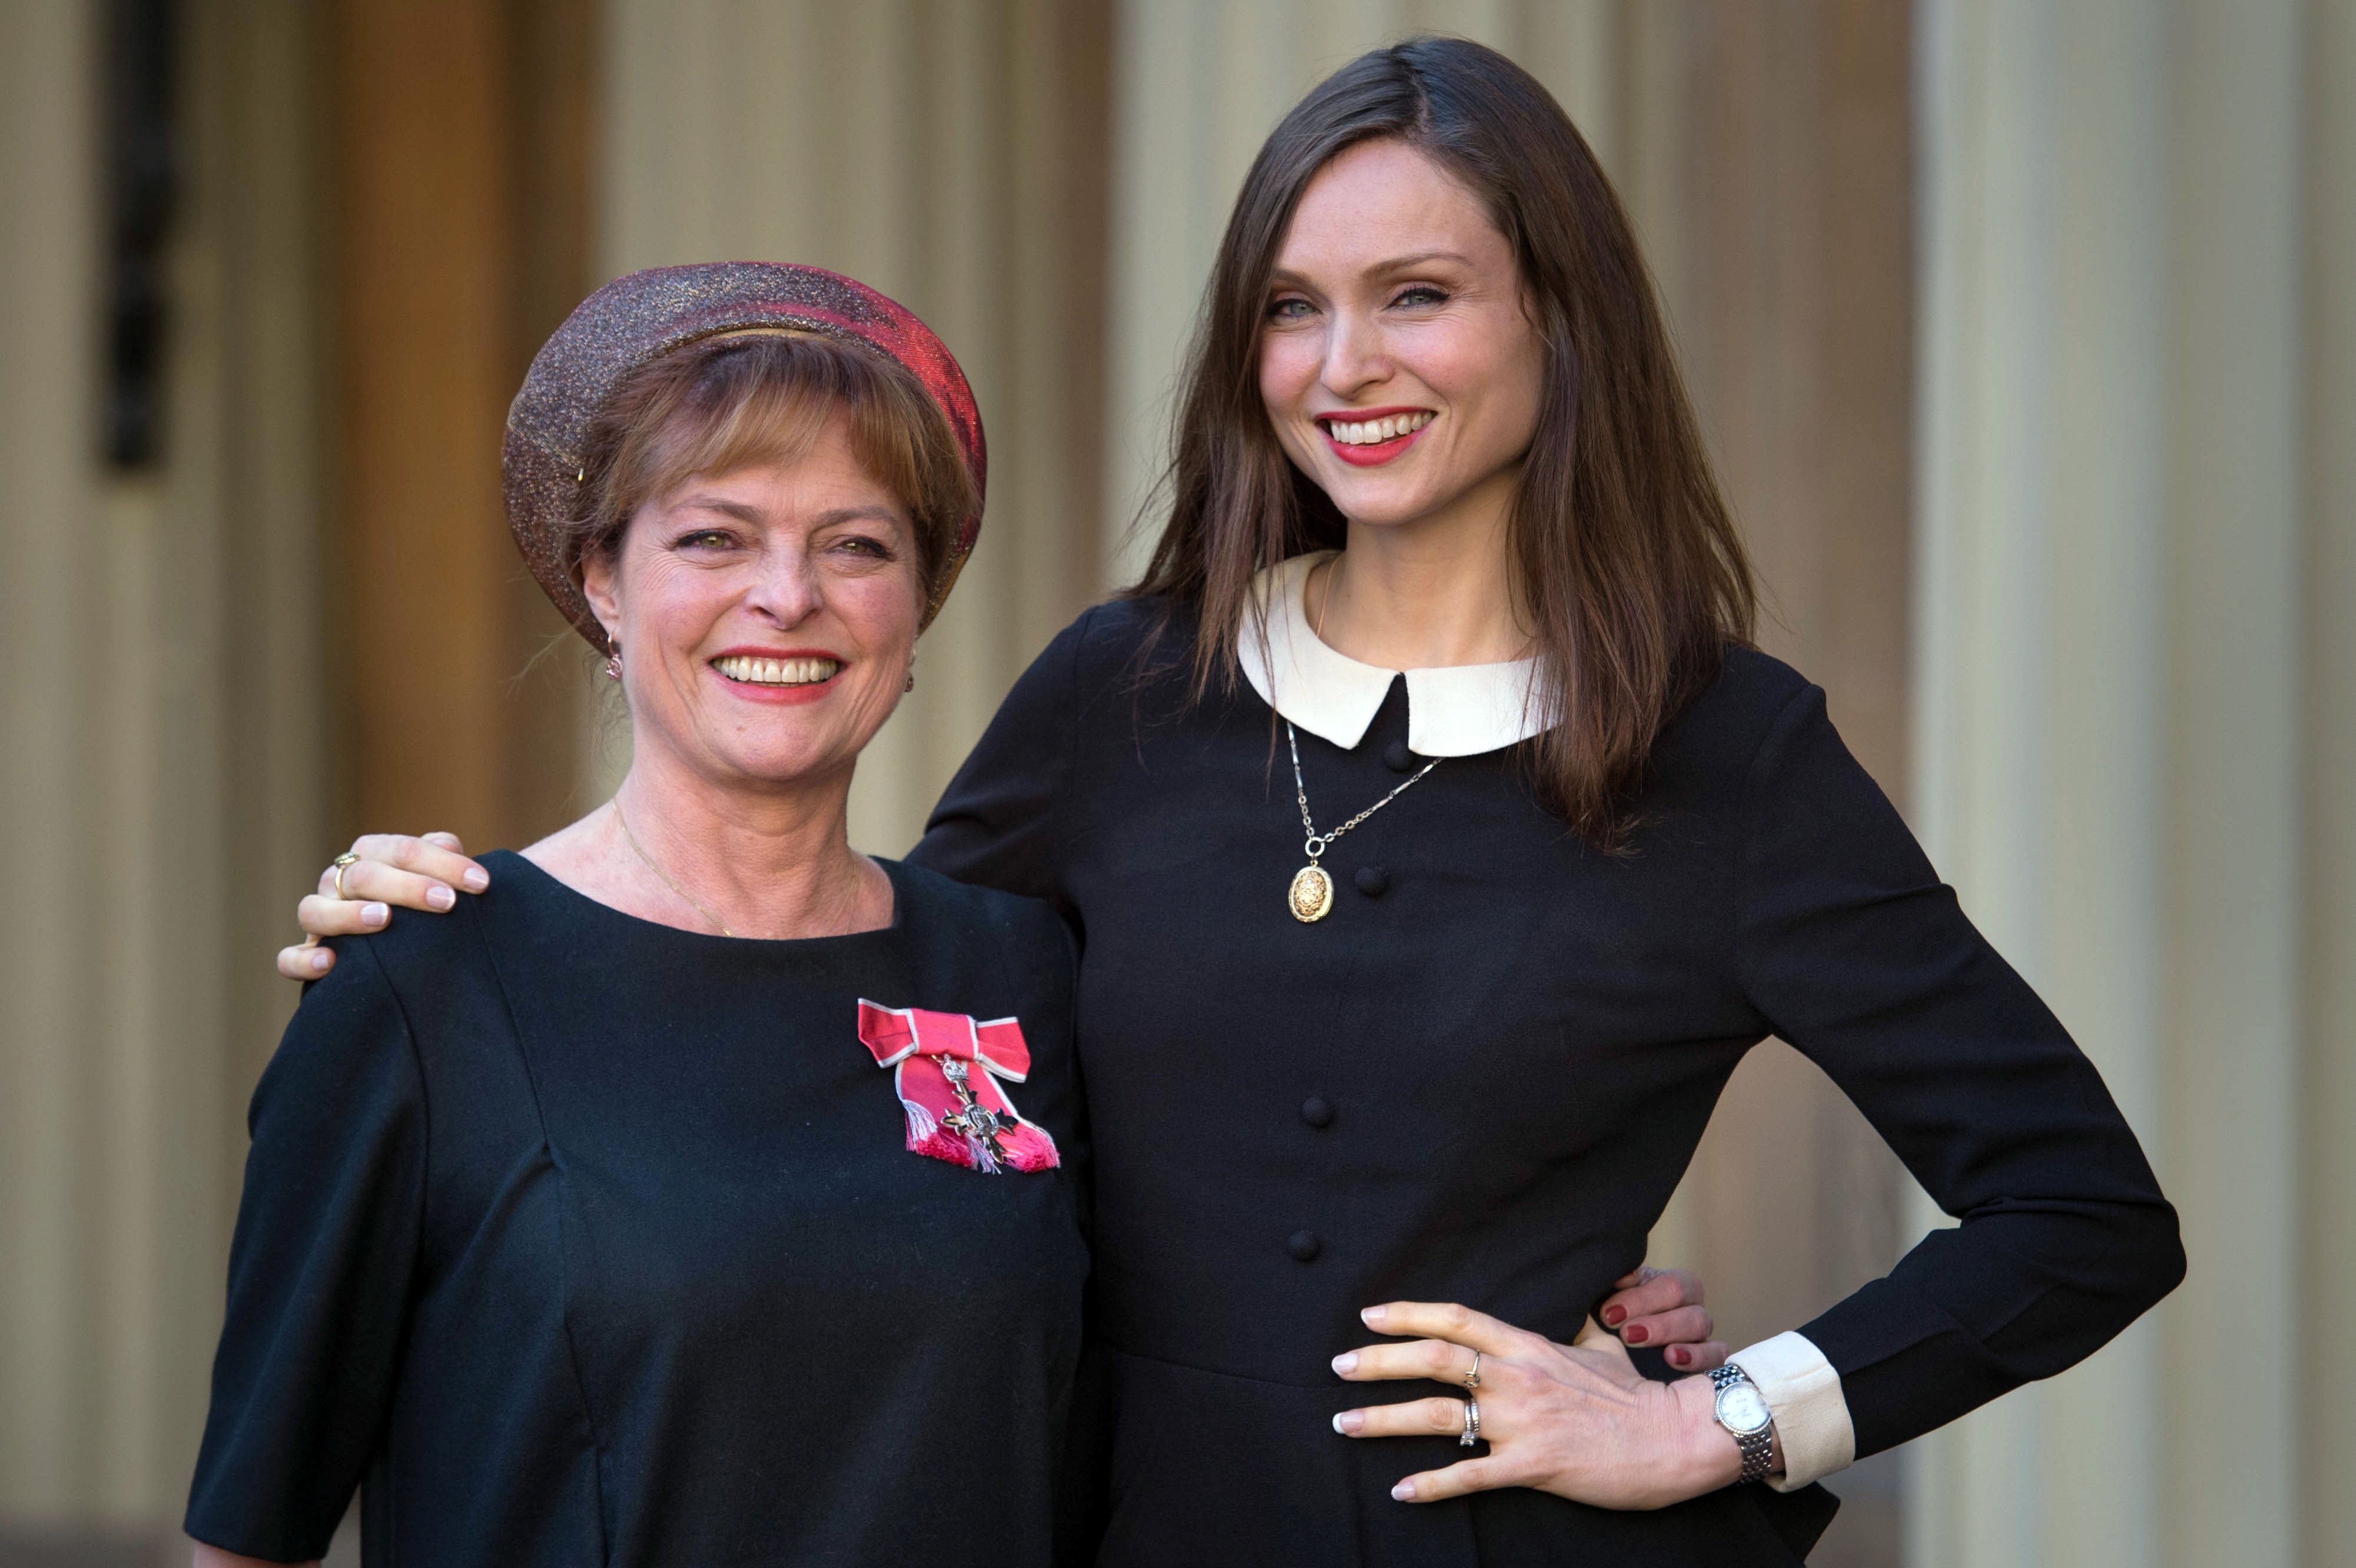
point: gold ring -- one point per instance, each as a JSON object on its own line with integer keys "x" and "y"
{"x": 1473, "y": 1378}
{"x": 342, "y": 863}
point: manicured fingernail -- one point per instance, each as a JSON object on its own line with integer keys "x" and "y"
{"x": 320, "y": 960}
{"x": 440, "y": 897}
{"x": 1347, "y": 1362}
{"x": 374, "y": 914}
{"x": 476, "y": 879}
{"x": 1637, "y": 1334}
{"x": 1680, "y": 1356}
{"x": 1403, "y": 1491}
{"x": 1374, "y": 1315}
{"x": 1349, "y": 1420}
{"x": 1614, "y": 1315}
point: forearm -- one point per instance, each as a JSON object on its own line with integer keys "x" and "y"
{"x": 1975, "y": 1312}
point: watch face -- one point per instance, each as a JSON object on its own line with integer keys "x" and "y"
{"x": 1743, "y": 1409}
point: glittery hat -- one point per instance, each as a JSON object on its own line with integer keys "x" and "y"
{"x": 647, "y": 314}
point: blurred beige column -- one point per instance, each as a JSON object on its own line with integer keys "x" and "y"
{"x": 50, "y": 591}
{"x": 2326, "y": 1351}
{"x": 2132, "y": 743}
{"x": 949, "y": 154}
{"x": 161, "y": 747}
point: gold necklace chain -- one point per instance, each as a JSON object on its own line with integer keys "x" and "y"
{"x": 1310, "y": 897}
{"x": 659, "y": 871}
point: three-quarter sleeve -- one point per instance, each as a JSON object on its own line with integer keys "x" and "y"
{"x": 1000, "y": 823}
{"x": 1851, "y": 949}
{"x": 319, "y": 1273}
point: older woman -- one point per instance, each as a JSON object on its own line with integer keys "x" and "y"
{"x": 670, "y": 1202}
{"x": 1440, "y": 845}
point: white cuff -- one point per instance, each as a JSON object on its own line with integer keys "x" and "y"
{"x": 1811, "y": 1417}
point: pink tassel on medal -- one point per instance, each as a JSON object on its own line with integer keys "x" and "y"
{"x": 947, "y": 1068}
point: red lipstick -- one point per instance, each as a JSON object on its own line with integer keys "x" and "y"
{"x": 1378, "y": 452}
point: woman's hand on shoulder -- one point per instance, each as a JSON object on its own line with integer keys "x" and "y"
{"x": 1663, "y": 1307}
{"x": 423, "y": 873}
{"x": 1575, "y": 1420}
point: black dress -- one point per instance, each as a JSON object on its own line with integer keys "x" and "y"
{"x": 586, "y": 1240}
{"x": 1481, "y": 1077}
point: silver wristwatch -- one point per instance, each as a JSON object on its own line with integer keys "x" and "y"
{"x": 1743, "y": 1410}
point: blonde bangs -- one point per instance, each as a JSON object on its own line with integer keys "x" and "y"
{"x": 772, "y": 422}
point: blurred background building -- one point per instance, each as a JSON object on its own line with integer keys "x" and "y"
{"x": 2025, "y": 334}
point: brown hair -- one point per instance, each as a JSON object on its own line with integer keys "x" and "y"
{"x": 1626, "y": 557}
{"x": 765, "y": 397}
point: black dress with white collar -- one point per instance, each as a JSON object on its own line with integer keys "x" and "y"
{"x": 1479, "y": 1078}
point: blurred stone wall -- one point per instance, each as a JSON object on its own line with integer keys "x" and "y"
{"x": 2137, "y": 718}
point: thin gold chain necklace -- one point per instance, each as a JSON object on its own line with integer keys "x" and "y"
{"x": 659, "y": 871}
{"x": 1310, "y": 897}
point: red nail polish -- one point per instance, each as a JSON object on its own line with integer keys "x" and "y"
{"x": 1614, "y": 1315}
{"x": 1680, "y": 1356}
{"x": 1638, "y": 1335}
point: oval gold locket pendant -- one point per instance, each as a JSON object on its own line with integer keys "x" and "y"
{"x": 1312, "y": 895}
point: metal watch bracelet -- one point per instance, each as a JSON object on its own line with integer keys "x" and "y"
{"x": 1758, "y": 1448}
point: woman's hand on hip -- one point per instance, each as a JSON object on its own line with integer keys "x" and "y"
{"x": 1576, "y": 1420}
{"x": 392, "y": 869}
{"x": 1663, "y": 1307}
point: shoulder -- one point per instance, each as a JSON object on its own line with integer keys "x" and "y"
{"x": 1752, "y": 692}
{"x": 1102, "y": 664}
{"x": 387, "y": 968}
{"x": 1028, "y": 924}
{"x": 415, "y": 948}
{"x": 422, "y": 977}
{"x": 1023, "y": 937}
{"x": 1728, "y": 722}
{"x": 348, "y": 1055}
{"x": 1120, "y": 640}
{"x": 1709, "y": 758}
{"x": 1127, "y": 624}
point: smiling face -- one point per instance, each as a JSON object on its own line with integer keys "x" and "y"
{"x": 1399, "y": 367}
{"x": 767, "y": 616}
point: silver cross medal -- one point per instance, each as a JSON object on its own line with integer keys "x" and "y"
{"x": 980, "y": 1124}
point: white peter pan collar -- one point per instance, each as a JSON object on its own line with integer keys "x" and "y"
{"x": 1455, "y": 711}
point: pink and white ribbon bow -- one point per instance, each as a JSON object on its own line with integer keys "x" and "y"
{"x": 946, "y": 1070}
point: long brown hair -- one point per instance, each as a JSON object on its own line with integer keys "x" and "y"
{"x": 1626, "y": 557}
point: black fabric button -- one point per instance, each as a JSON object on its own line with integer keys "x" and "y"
{"x": 1398, "y": 758}
{"x": 1317, "y": 1111}
{"x": 1304, "y": 1246}
{"x": 1372, "y": 880}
